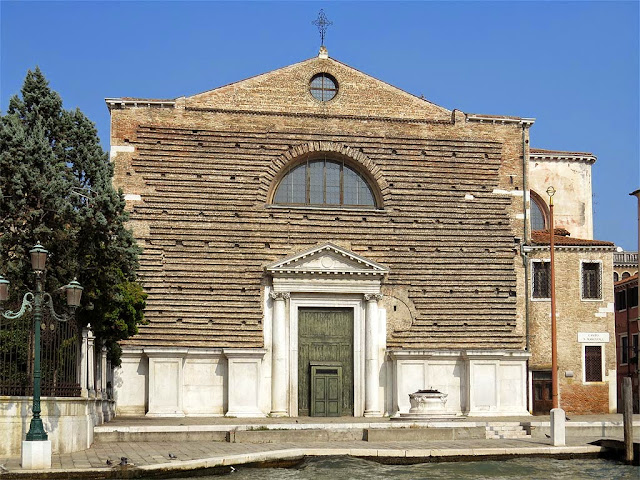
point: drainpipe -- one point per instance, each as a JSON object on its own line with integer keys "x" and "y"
{"x": 525, "y": 239}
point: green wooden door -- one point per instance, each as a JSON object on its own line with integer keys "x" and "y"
{"x": 326, "y": 390}
{"x": 325, "y": 336}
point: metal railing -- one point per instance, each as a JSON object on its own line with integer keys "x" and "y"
{"x": 59, "y": 357}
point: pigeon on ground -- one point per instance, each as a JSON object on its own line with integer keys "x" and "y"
{"x": 109, "y": 462}
{"x": 566, "y": 418}
{"x": 232, "y": 469}
{"x": 123, "y": 461}
{"x": 546, "y": 435}
{"x": 172, "y": 456}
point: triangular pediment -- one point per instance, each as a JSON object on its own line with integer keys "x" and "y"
{"x": 328, "y": 259}
{"x": 286, "y": 90}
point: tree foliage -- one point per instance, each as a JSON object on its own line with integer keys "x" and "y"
{"x": 56, "y": 189}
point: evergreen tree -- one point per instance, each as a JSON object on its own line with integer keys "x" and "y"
{"x": 56, "y": 189}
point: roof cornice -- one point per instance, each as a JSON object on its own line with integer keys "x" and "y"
{"x": 563, "y": 156}
{"x": 591, "y": 248}
{"x": 120, "y": 103}
{"x": 472, "y": 117}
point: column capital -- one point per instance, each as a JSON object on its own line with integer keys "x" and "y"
{"x": 279, "y": 295}
{"x": 373, "y": 297}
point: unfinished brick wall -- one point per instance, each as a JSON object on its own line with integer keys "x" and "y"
{"x": 450, "y": 193}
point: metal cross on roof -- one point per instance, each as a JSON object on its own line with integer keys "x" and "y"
{"x": 322, "y": 23}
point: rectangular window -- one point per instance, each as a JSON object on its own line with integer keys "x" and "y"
{"x": 592, "y": 363}
{"x": 621, "y": 300}
{"x": 591, "y": 281}
{"x": 633, "y": 297}
{"x": 624, "y": 350}
{"x": 541, "y": 287}
{"x": 634, "y": 349}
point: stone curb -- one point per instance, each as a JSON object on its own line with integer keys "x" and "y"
{"x": 289, "y": 455}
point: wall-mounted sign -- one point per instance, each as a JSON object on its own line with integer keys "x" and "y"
{"x": 593, "y": 337}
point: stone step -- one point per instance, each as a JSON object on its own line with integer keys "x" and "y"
{"x": 264, "y": 434}
{"x": 500, "y": 431}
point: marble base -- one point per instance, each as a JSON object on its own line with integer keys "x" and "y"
{"x": 557, "y": 424}
{"x": 36, "y": 455}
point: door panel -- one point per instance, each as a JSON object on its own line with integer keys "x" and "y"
{"x": 326, "y": 389}
{"x": 325, "y": 336}
{"x": 542, "y": 402}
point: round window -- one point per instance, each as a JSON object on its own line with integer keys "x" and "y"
{"x": 323, "y": 87}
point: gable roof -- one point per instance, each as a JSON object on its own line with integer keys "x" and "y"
{"x": 327, "y": 259}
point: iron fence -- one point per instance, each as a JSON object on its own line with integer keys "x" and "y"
{"x": 59, "y": 357}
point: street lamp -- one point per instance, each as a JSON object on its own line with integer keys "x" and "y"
{"x": 34, "y": 301}
{"x": 554, "y": 341}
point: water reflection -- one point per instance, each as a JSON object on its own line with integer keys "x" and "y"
{"x": 347, "y": 468}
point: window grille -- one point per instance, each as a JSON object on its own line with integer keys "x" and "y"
{"x": 323, "y": 87}
{"x": 541, "y": 279}
{"x": 324, "y": 182}
{"x": 593, "y": 363}
{"x": 591, "y": 281}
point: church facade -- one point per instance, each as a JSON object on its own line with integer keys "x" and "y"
{"x": 318, "y": 242}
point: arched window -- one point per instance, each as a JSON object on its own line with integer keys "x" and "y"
{"x": 616, "y": 277}
{"x": 324, "y": 182}
{"x": 625, "y": 275}
{"x": 538, "y": 212}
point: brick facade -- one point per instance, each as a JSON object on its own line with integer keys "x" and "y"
{"x": 205, "y": 169}
{"x": 199, "y": 175}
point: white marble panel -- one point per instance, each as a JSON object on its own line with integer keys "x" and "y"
{"x": 447, "y": 377}
{"x": 484, "y": 387}
{"x": 130, "y": 384}
{"x": 244, "y": 368}
{"x": 165, "y": 386}
{"x": 512, "y": 387}
{"x": 411, "y": 377}
{"x": 204, "y": 386}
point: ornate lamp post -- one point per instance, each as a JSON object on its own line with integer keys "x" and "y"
{"x": 36, "y": 301}
{"x": 554, "y": 341}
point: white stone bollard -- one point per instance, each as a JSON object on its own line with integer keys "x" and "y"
{"x": 557, "y": 422}
{"x": 36, "y": 455}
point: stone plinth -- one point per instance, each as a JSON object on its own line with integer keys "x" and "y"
{"x": 36, "y": 455}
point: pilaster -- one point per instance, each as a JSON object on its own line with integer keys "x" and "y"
{"x": 279, "y": 355}
{"x": 371, "y": 401}
{"x": 91, "y": 356}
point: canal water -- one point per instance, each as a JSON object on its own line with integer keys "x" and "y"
{"x": 347, "y": 468}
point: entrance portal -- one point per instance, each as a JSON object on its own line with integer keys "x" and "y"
{"x": 325, "y": 337}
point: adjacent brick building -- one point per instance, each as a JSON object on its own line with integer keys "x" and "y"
{"x": 627, "y": 331}
{"x": 315, "y": 227}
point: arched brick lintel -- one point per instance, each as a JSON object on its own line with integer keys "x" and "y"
{"x": 363, "y": 164}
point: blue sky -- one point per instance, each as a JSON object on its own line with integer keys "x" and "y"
{"x": 571, "y": 65}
